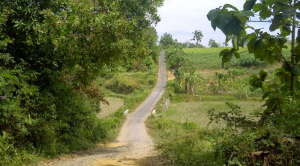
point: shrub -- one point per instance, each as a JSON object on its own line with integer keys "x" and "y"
{"x": 252, "y": 142}
{"x": 184, "y": 144}
{"x": 11, "y": 155}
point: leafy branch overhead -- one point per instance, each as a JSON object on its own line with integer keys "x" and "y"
{"x": 51, "y": 53}
{"x": 235, "y": 24}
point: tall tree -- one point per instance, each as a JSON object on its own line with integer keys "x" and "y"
{"x": 212, "y": 43}
{"x": 50, "y": 53}
{"x": 166, "y": 40}
{"x": 198, "y": 35}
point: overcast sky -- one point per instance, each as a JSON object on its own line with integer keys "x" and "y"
{"x": 182, "y": 17}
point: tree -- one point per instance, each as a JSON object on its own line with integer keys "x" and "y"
{"x": 213, "y": 44}
{"x": 50, "y": 54}
{"x": 187, "y": 77}
{"x": 166, "y": 40}
{"x": 197, "y": 37}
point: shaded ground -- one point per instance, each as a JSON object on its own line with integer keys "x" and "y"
{"x": 133, "y": 145}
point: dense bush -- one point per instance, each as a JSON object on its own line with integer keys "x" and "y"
{"x": 50, "y": 54}
{"x": 270, "y": 141}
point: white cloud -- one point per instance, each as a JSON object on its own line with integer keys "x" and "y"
{"x": 181, "y": 17}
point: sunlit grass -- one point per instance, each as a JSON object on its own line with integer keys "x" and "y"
{"x": 197, "y": 111}
{"x": 113, "y": 106}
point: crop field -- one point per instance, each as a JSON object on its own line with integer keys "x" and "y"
{"x": 208, "y": 58}
{"x": 216, "y": 87}
{"x": 190, "y": 123}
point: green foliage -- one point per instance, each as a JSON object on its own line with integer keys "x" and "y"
{"x": 185, "y": 73}
{"x": 183, "y": 143}
{"x": 176, "y": 58}
{"x": 51, "y": 52}
{"x": 270, "y": 142}
{"x": 213, "y": 44}
{"x": 247, "y": 142}
{"x": 9, "y": 154}
{"x": 208, "y": 58}
{"x": 190, "y": 45}
{"x": 166, "y": 40}
{"x": 198, "y": 35}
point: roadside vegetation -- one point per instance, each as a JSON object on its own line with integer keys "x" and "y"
{"x": 182, "y": 129}
{"x": 59, "y": 60}
{"x": 257, "y": 80}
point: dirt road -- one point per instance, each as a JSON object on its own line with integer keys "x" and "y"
{"x": 133, "y": 145}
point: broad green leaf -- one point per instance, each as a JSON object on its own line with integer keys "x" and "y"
{"x": 257, "y": 7}
{"x": 288, "y": 11}
{"x": 213, "y": 14}
{"x": 214, "y": 24}
{"x": 244, "y": 14}
{"x": 285, "y": 30}
{"x": 271, "y": 2}
{"x": 287, "y": 66}
{"x": 230, "y": 6}
{"x": 222, "y": 20}
{"x": 296, "y": 51}
{"x": 265, "y": 13}
{"x": 296, "y": 70}
{"x": 269, "y": 57}
{"x": 263, "y": 75}
{"x": 276, "y": 22}
{"x": 251, "y": 44}
{"x": 255, "y": 82}
{"x": 248, "y": 5}
{"x": 233, "y": 27}
{"x": 235, "y": 43}
{"x": 227, "y": 55}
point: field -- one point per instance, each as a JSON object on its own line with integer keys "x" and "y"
{"x": 196, "y": 112}
{"x": 208, "y": 58}
{"x": 181, "y": 130}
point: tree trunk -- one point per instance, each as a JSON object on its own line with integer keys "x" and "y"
{"x": 192, "y": 88}
{"x": 187, "y": 87}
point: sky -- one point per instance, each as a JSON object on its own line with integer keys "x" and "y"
{"x": 182, "y": 17}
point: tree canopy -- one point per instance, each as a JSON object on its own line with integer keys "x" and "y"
{"x": 212, "y": 43}
{"x": 198, "y": 35}
{"x": 50, "y": 53}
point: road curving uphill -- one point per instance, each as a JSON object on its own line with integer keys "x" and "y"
{"x": 133, "y": 145}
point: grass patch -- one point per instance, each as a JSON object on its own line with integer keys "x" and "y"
{"x": 196, "y": 112}
{"x": 113, "y": 106}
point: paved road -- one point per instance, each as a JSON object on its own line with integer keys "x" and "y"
{"x": 133, "y": 130}
{"x": 133, "y": 145}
